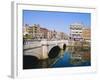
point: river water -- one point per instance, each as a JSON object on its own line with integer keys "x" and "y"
{"x": 66, "y": 61}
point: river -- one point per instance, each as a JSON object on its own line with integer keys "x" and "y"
{"x": 67, "y": 58}
{"x": 67, "y": 61}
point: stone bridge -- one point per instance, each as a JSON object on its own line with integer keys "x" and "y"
{"x": 41, "y": 49}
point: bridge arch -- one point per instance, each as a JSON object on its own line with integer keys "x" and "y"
{"x": 54, "y": 52}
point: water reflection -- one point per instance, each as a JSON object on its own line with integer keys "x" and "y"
{"x": 70, "y": 56}
{"x": 74, "y": 56}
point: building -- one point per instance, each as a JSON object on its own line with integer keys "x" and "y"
{"x": 76, "y": 31}
{"x": 50, "y": 35}
{"x": 64, "y": 36}
{"x": 27, "y": 31}
{"x": 44, "y": 33}
{"x": 86, "y": 34}
{"x": 36, "y": 31}
{"x": 32, "y": 31}
{"x": 58, "y": 35}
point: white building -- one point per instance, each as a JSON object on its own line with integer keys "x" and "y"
{"x": 76, "y": 31}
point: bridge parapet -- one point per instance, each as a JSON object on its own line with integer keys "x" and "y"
{"x": 30, "y": 46}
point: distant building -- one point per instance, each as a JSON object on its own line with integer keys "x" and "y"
{"x": 86, "y": 34}
{"x": 64, "y": 36}
{"x": 27, "y": 31}
{"x": 50, "y": 34}
{"x": 44, "y": 33}
{"x": 59, "y": 35}
{"x": 36, "y": 31}
{"x": 76, "y": 31}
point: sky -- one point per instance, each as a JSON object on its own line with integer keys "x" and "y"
{"x": 58, "y": 21}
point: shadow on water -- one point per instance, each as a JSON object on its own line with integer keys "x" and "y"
{"x": 30, "y": 62}
{"x": 64, "y": 47}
